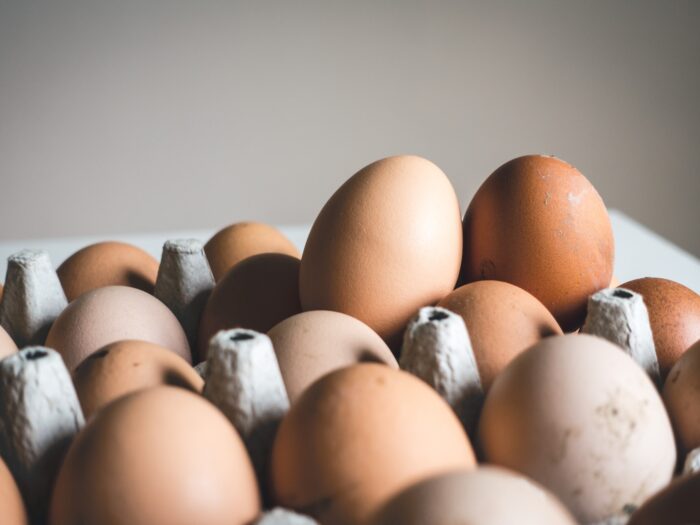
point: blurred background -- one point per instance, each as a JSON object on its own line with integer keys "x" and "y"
{"x": 128, "y": 116}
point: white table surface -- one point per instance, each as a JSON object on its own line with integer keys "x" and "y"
{"x": 639, "y": 252}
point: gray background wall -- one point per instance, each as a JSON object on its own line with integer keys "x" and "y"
{"x": 140, "y": 116}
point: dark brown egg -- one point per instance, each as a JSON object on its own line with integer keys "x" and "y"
{"x": 257, "y": 293}
{"x": 674, "y": 315}
{"x": 241, "y": 240}
{"x": 126, "y": 366}
{"x": 502, "y": 320}
{"x": 107, "y": 264}
{"x": 539, "y": 224}
{"x": 161, "y": 456}
{"x": 677, "y": 504}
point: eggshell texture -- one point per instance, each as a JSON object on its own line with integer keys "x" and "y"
{"x": 127, "y": 366}
{"x": 681, "y": 395}
{"x": 257, "y": 293}
{"x": 502, "y": 321}
{"x": 107, "y": 264}
{"x": 483, "y": 496}
{"x": 674, "y": 315}
{"x": 241, "y": 240}
{"x": 161, "y": 456}
{"x": 677, "y": 504}
{"x": 311, "y": 344}
{"x": 386, "y": 243}
{"x": 111, "y": 314}
{"x": 12, "y": 510}
{"x": 7, "y": 345}
{"x": 538, "y": 223}
{"x": 578, "y": 415}
{"x": 358, "y": 436}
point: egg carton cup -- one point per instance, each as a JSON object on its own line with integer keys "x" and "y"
{"x": 620, "y": 316}
{"x": 437, "y": 349}
{"x": 244, "y": 381}
{"x": 280, "y": 516}
{"x": 39, "y": 416}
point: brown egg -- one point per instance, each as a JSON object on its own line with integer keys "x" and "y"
{"x": 681, "y": 395}
{"x": 536, "y": 222}
{"x": 126, "y": 366}
{"x": 674, "y": 315}
{"x": 386, "y": 243}
{"x": 239, "y": 241}
{"x": 502, "y": 320}
{"x": 579, "y": 416}
{"x": 484, "y": 496}
{"x": 257, "y": 293}
{"x": 161, "y": 456}
{"x": 111, "y": 314}
{"x": 677, "y": 504}
{"x": 311, "y": 344}
{"x": 357, "y": 437}
{"x": 12, "y": 510}
{"x": 107, "y": 264}
{"x": 7, "y": 345}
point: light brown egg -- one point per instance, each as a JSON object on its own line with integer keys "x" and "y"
{"x": 578, "y": 415}
{"x": 162, "y": 456}
{"x": 107, "y": 264}
{"x": 111, "y": 314}
{"x": 311, "y": 344}
{"x": 674, "y": 315}
{"x": 257, "y": 293}
{"x": 7, "y": 345}
{"x": 236, "y": 242}
{"x": 502, "y": 320}
{"x": 681, "y": 395}
{"x": 386, "y": 243}
{"x": 614, "y": 282}
{"x": 357, "y": 437}
{"x": 127, "y": 366}
{"x": 12, "y": 511}
{"x": 677, "y": 504}
{"x": 538, "y": 223}
{"x": 484, "y": 496}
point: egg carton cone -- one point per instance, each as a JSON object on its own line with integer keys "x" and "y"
{"x": 184, "y": 283}
{"x": 201, "y": 369}
{"x": 620, "y": 316}
{"x": 244, "y": 381}
{"x": 692, "y": 462}
{"x": 280, "y": 516}
{"x": 32, "y": 299}
{"x": 437, "y": 349}
{"x": 618, "y": 519}
{"x": 39, "y": 416}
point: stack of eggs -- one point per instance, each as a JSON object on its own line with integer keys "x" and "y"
{"x": 413, "y": 366}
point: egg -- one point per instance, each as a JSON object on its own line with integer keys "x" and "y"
{"x": 257, "y": 293}
{"x": 358, "y": 436}
{"x": 12, "y": 508}
{"x": 7, "y": 345}
{"x": 107, "y": 264}
{"x": 677, "y": 504}
{"x": 111, "y": 314}
{"x": 484, "y": 496}
{"x": 236, "y": 242}
{"x": 127, "y": 366}
{"x": 674, "y": 315}
{"x": 538, "y": 223}
{"x": 578, "y": 415}
{"x": 311, "y": 344}
{"x": 681, "y": 395}
{"x": 502, "y": 321}
{"x": 161, "y": 456}
{"x": 386, "y": 243}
